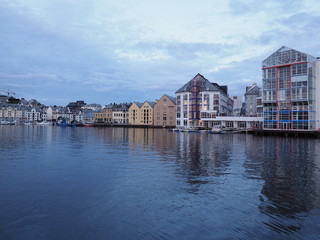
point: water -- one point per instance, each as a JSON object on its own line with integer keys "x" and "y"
{"x": 118, "y": 183}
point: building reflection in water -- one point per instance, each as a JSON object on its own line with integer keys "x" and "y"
{"x": 202, "y": 159}
{"x": 289, "y": 168}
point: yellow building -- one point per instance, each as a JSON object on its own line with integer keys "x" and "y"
{"x": 141, "y": 113}
{"x": 165, "y": 112}
{"x": 134, "y": 113}
{"x": 104, "y": 116}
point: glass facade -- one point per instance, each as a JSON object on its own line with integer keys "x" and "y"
{"x": 288, "y": 90}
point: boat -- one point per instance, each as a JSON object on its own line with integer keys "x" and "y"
{"x": 44, "y": 123}
{"x": 62, "y": 122}
{"x": 88, "y": 125}
{"x": 216, "y": 129}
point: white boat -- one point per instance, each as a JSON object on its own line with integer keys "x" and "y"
{"x": 44, "y": 123}
{"x": 216, "y": 129}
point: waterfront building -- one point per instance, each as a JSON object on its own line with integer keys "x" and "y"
{"x": 200, "y": 99}
{"x": 141, "y": 113}
{"x": 251, "y": 95}
{"x": 120, "y": 113}
{"x": 291, "y": 90}
{"x": 99, "y": 116}
{"x": 88, "y": 115}
{"x": 78, "y": 115}
{"x": 147, "y": 113}
{"x": 134, "y": 113}
{"x": 33, "y": 114}
{"x": 237, "y": 105}
{"x": 104, "y": 115}
{"x": 57, "y": 113}
{"x": 12, "y": 113}
{"x": 165, "y": 111}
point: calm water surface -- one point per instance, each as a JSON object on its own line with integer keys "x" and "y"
{"x": 117, "y": 183}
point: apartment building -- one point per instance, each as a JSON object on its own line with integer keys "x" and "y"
{"x": 120, "y": 114}
{"x": 199, "y": 99}
{"x": 291, "y": 90}
{"x": 141, "y": 113}
{"x": 104, "y": 115}
{"x": 165, "y": 111}
{"x": 251, "y": 100}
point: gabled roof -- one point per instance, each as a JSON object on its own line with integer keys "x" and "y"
{"x": 173, "y": 99}
{"x": 285, "y": 55}
{"x": 204, "y": 85}
{"x": 139, "y": 104}
{"x": 254, "y": 89}
{"x": 150, "y": 103}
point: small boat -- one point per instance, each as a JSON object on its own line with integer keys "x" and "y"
{"x": 44, "y": 123}
{"x": 216, "y": 129}
{"x": 88, "y": 125}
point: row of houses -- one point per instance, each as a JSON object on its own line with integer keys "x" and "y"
{"x": 289, "y": 99}
{"x": 196, "y": 101}
{"x": 161, "y": 112}
{"x": 24, "y": 111}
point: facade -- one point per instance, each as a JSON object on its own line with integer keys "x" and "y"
{"x": 200, "y": 99}
{"x": 290, "y": 90}
{"x": 34, "y": 115}
{"x": 104, "y": 115}
{"x": 57, "y": 113}
{"x": 88, "y": 115}
{"x": 12, "y": 113}
{"x": 21, "y": 113}
{"x": 238, "y": 122}
{"x": 165, "y": 111}
{"x": 237, "y": 105}
{"x": 147, "y": 113}
{"x": 251, "y": 99}
{"x": 141, "y": 113}
{"x": 120, "y": 114}
{"x": 134, "y": 113}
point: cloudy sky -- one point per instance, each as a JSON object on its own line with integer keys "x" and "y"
{"x": 103, "y": 51}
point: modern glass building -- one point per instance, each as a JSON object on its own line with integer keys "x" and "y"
{"x": 289, "y": 90}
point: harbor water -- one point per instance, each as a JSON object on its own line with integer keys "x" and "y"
{"x": 133, "y": 183}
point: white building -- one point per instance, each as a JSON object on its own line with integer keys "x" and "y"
{"x": 34, "y": 115}
{"x": 199, "y": 99}
{"x": 237, "y": 105}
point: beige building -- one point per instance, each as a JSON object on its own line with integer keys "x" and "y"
{"x": 134, "y": 113}
{"x": 141, "y": 113}
{"x": 165, "y": 111}
{"x": 104, "y": 116}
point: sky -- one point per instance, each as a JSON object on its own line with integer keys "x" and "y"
{"x": 103, "y": 51}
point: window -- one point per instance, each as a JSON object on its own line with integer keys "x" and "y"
{"x": 185, "y": 114}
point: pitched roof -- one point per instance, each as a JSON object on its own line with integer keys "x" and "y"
{"x": 139, "y": 104}
{"x": 151, "y": 103}
{"x": 204, "y": 85}
{"x": 285, "y": 55}
{"x": 173, "y": 99}
{"x": 254, "y": 89}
